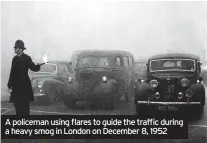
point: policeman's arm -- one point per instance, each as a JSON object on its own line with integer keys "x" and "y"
{"x": 32, "y": 66}
{"x": 9, "y": 85}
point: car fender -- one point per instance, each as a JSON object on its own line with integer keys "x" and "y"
{"x": 71, "y": 88}
{"x": 204, "y": 75}
{"x": 198, "y": 91}
{"x": 51, "y": 85}
{"x": 54, "y": 85}
{"x": 143, "y": 90}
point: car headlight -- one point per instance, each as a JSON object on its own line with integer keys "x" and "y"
{"x": 154, "y": 83}
{"x": 184, "y": 82}
{"x": 104, "y": 78}
{"x": 39, "y": 84}
{"x": 189, "y": 93}
{"x": 70, "y": 79}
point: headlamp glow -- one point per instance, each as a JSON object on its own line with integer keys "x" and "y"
{"x": 104, "y": 78}
{"x": 40, "y": 84}
{"x": 70, "y": 79}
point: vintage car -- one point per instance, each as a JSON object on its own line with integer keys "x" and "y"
{"x": 50, "y": 82}
{"x": 173, "y": 83}
{"x": 204, "y": 74}
{"x": 102, "y": 77}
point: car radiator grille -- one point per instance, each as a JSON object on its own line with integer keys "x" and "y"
{"x": 86, "y": 86}
{"x": 168, "y": 92}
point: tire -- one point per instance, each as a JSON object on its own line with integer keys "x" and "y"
{"x": 116, "y": 103}
{"x": 139, "y": 110}
{"x": 109, "y": 105}
{"x": 70, "y": 104}
{"x": 130, "y": 94}
{"x": 199, "y": 111}
{"x": 52, "y": 95}
{"x": 49, "y": 99}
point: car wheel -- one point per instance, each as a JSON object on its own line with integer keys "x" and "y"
{"x": 142, "y": 111}
{"x": 49, "y": 99}
{"x": 131, "y": 93}
{"x": 139, "y": 110}
{"x": 94, "y": 105}
{"x": 108, "y": 104}
{"x": 51, "y": 95}
{"x": 199, "y": 110}
{"x": 70, "y": 103}
{"x": 116, "y": 103}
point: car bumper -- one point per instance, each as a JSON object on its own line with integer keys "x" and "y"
{"x": 167, "y": 106}
{"x": 39, "y": 94}
{"x": 167, "y": 103}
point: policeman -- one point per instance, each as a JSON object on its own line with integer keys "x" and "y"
{"x": 19, "y": 82}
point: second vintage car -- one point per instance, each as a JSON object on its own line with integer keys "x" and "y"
{"x": 50, "y": 82}
{"x": 173, "y": 83}
{"x": 204, "y": 74}
{"x": 102, "y": 77}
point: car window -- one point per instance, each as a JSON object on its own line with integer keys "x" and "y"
{"x": 118, "y": 61}
{"x": 93, "y": 61}
{"x": 130, "y": 61}
{"x": 175, "y": 64}
{"x": 169, "y": 64}
{"x": 63, "y": 69}
{"x": 46, "y": 68}
{"x": 126, "y": 62}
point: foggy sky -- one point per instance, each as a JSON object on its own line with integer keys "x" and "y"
{"x": 143, "y": 28}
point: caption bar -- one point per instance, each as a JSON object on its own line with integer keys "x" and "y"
{"x": 92, "y": 127}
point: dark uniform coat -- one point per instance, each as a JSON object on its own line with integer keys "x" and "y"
{"x": 19, "y": 80}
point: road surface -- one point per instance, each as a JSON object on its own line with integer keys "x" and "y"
{"x": 197, "y": 129}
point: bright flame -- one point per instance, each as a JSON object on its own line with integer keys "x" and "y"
{"x": 45, "y": 59}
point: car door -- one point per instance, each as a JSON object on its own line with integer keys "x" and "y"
{"x": 64, "y": 72}
{"x": 131, "y": 68}
{"x": 126, "y": 70}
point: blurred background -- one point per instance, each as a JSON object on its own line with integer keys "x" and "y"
{"x": 59, "y": 27}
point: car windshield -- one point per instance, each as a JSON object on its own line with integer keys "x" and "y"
{"x": 47, "y": 68}
{"x": 172, "y": 65}
{"x": 93, "y": 61}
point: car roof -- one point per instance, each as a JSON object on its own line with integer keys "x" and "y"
{"x": 174, "y": 55}
{"x": 85, "y": 53}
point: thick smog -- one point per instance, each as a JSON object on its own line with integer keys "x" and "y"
{"x": 105, "y": 58}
